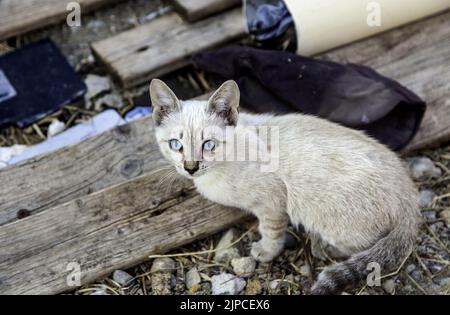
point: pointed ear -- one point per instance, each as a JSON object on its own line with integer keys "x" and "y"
{"x": 225, "y": 102}
{"x": 164, "y": 101}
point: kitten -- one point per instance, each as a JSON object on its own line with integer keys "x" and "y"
{"x": 350, "y": 192}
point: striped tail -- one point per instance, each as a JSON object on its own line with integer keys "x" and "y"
{"x": 389, "y": 252}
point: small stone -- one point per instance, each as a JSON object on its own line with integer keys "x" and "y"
{"x": 226, "y": 283}
{"x": 445, "y": 283}
{"x": 253, "y": 287}
{"x": 110, "y": 100}
{"x": 410, "y": 268}
{"x": 224, "y": 251}
{"x": 192, "y": 278}
{"x": 274, "y": 284}
{"x": 96, "y": 85}
{"x": 445, "y": 215}
{"x": 243, "y": 266}
{"x": 289, "y": 278}
{"x": 416, "y": 275}
{"x": 55, "y": 127}
{"x": 426, "y": 198}
{"x": 164, "y": 264}
{"x": 429, "y": 214}
{"x": 121, "y": 277}
{"x": 423, "y": 167}
{"x": 389, "y": 285}
{"x": 305, "y": 270}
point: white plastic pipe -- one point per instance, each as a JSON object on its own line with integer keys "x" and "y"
{"x": 325, "y": 24}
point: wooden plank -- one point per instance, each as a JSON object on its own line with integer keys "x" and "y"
{"x": 108, "y": 159}
{"x": 105, "y": 160}
{"x": 418, "y": 56}
{"x": 194, "y": 10}
{"x": 18, "y": 17}
{"x": 115, "y": 228}
{"x": 165, "y": 44}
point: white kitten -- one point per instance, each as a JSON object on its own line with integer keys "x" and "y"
{"x": 348, "y": 191}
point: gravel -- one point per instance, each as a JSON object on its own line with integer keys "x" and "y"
{"x": 121, "y": 277}
{"x": 243, "y": 266}
{"x": 96, "y": 85}
{"x": 389, "y": 285}
{"x": 445, "y": 215}
{"x": 224, "y": 251}
{"x": 423, "y": 167}
{"x": 426, "y": 198}
{"x": 225, "y": 283}
{"x": 164, "y": 264}
{"x": 192, "y": 278}
{"x": 55, "y": 127}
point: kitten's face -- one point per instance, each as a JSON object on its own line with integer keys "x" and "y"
{"x": 191, "y": 134}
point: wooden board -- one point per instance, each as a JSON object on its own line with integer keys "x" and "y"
{"x": 165, "y": 44}
{"x": 194, "y": 10}
{"x": 418, "y": 56}
{"x": 105, "y": 160}
{"x": 21, "y": 16}
{"x": 108, "y": 159}
{"x": 114, "y": 228}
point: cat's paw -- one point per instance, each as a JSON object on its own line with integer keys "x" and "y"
{"x": 265, "y": 253}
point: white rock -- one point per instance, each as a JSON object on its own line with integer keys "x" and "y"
{"x": 192, "y": 278}
{"x": 423, "y": 167}
{"x": 389, "y": 285}
{"x": 164, "y": 264}
{"x": 96, "y": 85}
{"x": 224, "y": 251}
{"x": 110, "y": 100}
{"x": 274, "y": 284}
{"x": 55, "y": 127}
{"x": 7, "y": 153}
{"x": 305, "y": 270}
{"x": 226, "y": 283}
{"x": 445, "y": 283}
{"x": 121, "y": 277}
{"x": 445, "y": 214}
{"x": 243, "y": 266}
{"x": 410, "y": 268}
{"x": 426, "y": 198}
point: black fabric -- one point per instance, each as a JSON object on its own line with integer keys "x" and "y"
{"x": 43, "y": 81}
{"x": 353, "y": 95}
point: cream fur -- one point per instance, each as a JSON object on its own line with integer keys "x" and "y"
{"x": 346, "y": 189}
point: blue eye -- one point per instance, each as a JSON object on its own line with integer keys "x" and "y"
{"x": 175, "y": 145}
{"x": 209, "y": 145}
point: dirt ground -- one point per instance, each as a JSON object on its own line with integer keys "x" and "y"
{"x": 425, "y": 271}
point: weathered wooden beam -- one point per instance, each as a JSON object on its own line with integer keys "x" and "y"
{"x": 194, "y": 10}
{"x": 107, "y": 159}
{"x": 18, "y": 17}
{"x": 165, "y": 44}
{"x": 418, "y": 56}
{"x": 114, "y": 228}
